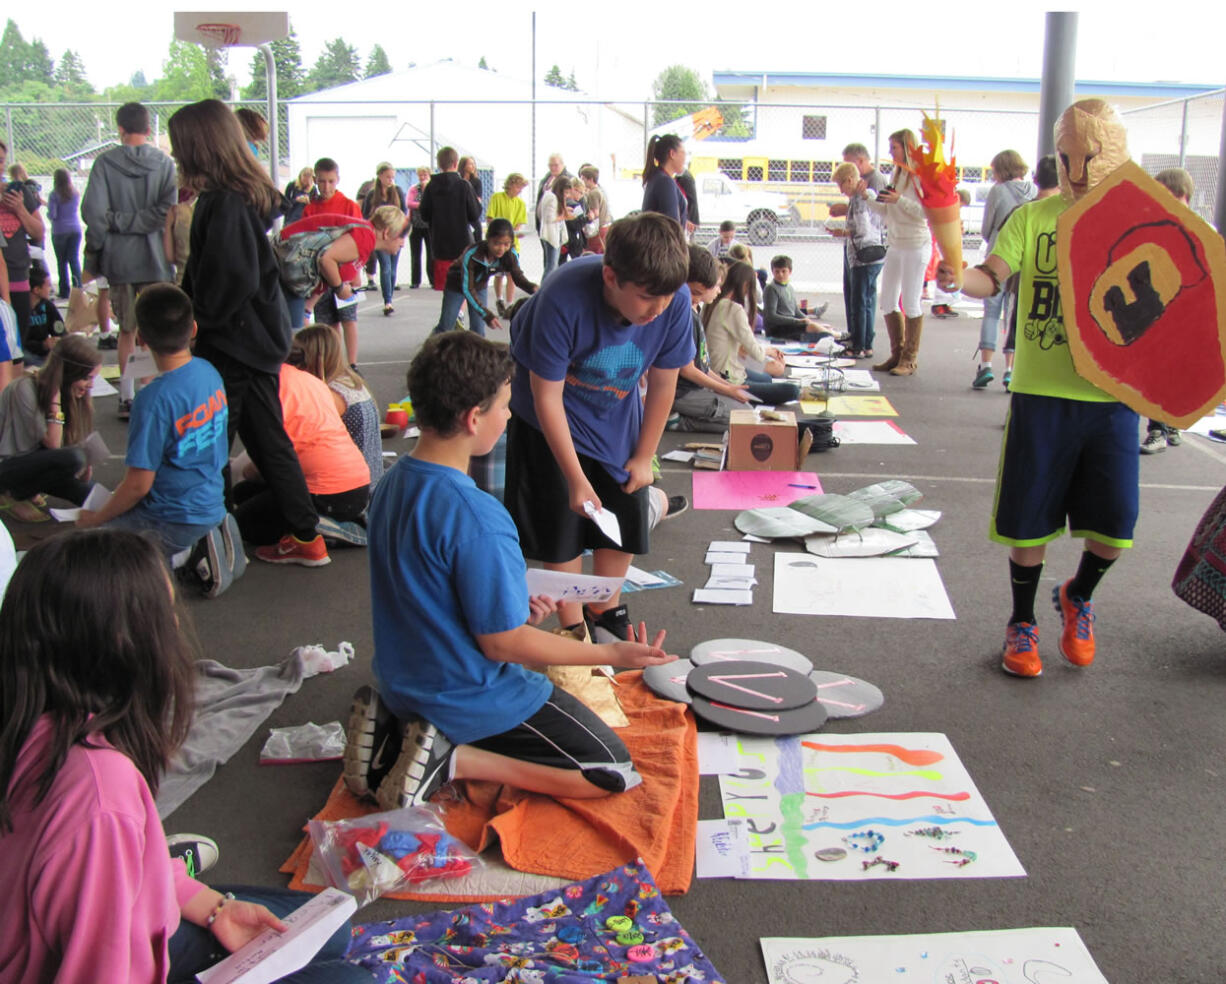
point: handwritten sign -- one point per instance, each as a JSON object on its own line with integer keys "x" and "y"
{"x": 561, "y": 586}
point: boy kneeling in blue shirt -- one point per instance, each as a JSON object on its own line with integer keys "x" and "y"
{"x": 177, "y": 444}
{"x": 453, "y": 622}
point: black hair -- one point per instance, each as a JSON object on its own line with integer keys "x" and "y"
{"x": 164, "y": 318}
{"x": 1046, "y": 175}
{"x": 648, "y": 249}
{"x": 132, "y": 117}
{"x": 727, "y": 226}
{"x": 500, "y": 229}
{"x": 38, "y": 275}
{"x": 658, "y": 149}
{"x": 328, "y": 165}
{"x": 454, "y": 372}
{"x": 91, "y": 638}
{"x": 704, "y": 269}
{"x": 781, "y": 261}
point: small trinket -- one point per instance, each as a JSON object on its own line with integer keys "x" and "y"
{"x": 936, "y": 833}
{"x": 831, "y": 854}
{"x": 962, "y": 859}
{"x": 867, "y": 841}
{"x": 879, "y": 860}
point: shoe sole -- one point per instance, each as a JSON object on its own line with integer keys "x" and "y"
{"x": 1021, "y": 676}
{"x": 360, "y": 754}
{"x": 331, "y": 529}
{"x": 673, "y": 515}
{"x": 1080, "y": 664}
{"x": 300, "y": 561}
{"x": 415, "y": 776}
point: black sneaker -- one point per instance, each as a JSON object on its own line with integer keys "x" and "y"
{"x": 125, "y": 409}
{"x": 677, "y": 504}
{"x": 199, "y": 853}
{"x": 421, "y": 769}
{"x": 613, "y": 625}
{"x": 370, "y": 743}
{"x": 501, "y": 306}
{"x": 109, "y": 341}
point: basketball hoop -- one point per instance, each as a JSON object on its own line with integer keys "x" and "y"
{"x": 221, "y": 35}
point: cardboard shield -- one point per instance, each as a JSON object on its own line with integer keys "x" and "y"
{"x": 1143, "y": 289}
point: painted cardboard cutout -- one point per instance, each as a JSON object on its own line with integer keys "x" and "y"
{"x": 1143, "y": 283}
{"x": 1091, "y": 142}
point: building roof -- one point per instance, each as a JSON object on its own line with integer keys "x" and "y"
{"x": 967, "y": 83}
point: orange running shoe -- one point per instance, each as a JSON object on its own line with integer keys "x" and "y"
{"x": 1077, "y": 618}
{"x": 1021, "y": 652}
{"x": 290, "y": 550}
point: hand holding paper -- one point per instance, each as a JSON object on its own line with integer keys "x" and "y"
{"x": 604, "y": 519}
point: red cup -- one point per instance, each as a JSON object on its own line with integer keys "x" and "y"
{"x": 398, "y": 417}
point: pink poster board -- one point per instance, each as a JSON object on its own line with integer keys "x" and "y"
{"x": 752, "y": 489}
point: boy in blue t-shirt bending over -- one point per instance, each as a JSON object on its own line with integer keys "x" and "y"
{"x": 453, "y": 621}
{"x": 580, "y": 437}
{"x": 177, "y": 444}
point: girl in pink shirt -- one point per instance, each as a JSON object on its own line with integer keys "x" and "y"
{"x": 96, "y": 687}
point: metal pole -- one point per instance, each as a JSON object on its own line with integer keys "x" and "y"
{"x": 1183, "y": 136}
{"x": 8, "y": 119}
{"x": 876, "y": 135}
{"x": 1219, "y": 206}
{"x": 274, "y": 143}
{"x": 1056, "y": 86}
{"x": 433, "y": 145}
{"x": 532, "y": 150}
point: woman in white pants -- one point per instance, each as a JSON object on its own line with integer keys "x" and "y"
{"x": 909, "y": 253}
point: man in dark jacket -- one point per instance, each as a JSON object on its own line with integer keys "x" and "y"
{"x": 449, "y": 207}
{"x": 131, "y": 188}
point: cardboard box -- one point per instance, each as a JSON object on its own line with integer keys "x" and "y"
{"x": 757, "y": 443}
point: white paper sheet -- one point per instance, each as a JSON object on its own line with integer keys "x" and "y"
{"x": 604, "y": 519}
{"x": 96, "y": 450}
{"x": 644, "y": 579}
{"x": 729, "y": 546}
{"x": 1002, "y": 956}
{"x": 140, "y": 364}
{"x": 716, "y": 754}
{"x": 722, "y": 848}
{"x": 101, "y": 387}
{"x": 98, "y": 497}
{"x": 716, "y": 581}
{"x": 721, "y": 557}
{"x": 732, "y": 570}
{"x": 870, "y": 432}
{"x": 411, "y": 432}
{"x": 722, "y": 596}
{"x": 272, "y": 955}
{"x": 750, "y": 538}
{"x": 561, "y": 586}
{"x": 682, "y": 456}
{"x": 870, "y": 587}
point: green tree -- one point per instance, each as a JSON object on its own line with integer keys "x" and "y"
{"x": 338, "y": 64}
{"x": 70, "y": 74}
{"x": 39, "y": 65}
{"x": 677, "y": 82}
{"x": 482, "y": 64}
{"x": 138, "y": 80}
{"x": 218, "y": 60}
{"x": 185, "y": 75}
{"x": 554, "y": 78}
{"x": 377, "y": 63}
{"x": 22, "y": 61}
{"x": 571, "y": 84}
{"x": 735, "y": 123}
{"x": 290, "y": 75}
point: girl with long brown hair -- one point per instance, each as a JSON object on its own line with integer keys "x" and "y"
{"x": 64, "y": 210}
{"x": 665, "y": 160}
{"x": 385, "y": 191}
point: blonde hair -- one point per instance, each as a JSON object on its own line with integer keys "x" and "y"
{"x": 906, "y": 139}
{"x": 317, "y": 350}
{"x": 844, "y": 171}
{"x": 514, "y": 178}
{"x": 388, "y": 218}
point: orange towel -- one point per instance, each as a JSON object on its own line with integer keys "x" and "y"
{"x": 576, "y": 839}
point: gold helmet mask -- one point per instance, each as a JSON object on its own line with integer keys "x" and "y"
{"x": 1090, "y": 143}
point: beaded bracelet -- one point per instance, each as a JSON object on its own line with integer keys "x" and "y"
{"x": 867, "y": 841}
{"x": 227, "y": 897}
{"x": 991, "y": 275}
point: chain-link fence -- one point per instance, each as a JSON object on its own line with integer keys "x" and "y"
{"x": 766, "y": 167}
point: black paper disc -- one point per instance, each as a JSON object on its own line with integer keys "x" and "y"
{"x": 667, "y": 680}
{"x": 845, "y": 696}
{"x": 798, "y": 721}
{"x": 756, "y": 686}
{"x": 723, "y": 650}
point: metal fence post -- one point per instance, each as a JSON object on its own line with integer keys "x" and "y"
{"x": 274, "y": 142}
{"x": 8, "y": 116}
{"x": 433, "y": 145}
{"x": 1183, "y": 136}
{"x": 876, "y": 135}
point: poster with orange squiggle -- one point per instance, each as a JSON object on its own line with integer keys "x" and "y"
{"x": 854, "y": 807}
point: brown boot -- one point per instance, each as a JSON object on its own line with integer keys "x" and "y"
{"x": 893, "y": 325}
{"x": 907, "y": 364}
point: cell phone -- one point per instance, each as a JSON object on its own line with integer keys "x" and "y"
{"x": 13, "y": 186}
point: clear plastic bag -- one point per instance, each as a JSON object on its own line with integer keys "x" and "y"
{"x": 304, "y": 743}
{"x": 379, "y": 853}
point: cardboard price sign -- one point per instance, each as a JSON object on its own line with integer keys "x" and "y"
{"x": 1143, "y": 287}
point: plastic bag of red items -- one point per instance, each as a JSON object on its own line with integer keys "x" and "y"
{"x": 373, "y": 855}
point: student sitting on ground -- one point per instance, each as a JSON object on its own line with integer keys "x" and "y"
{"x": 174, "y": 485}
{"x": 337, "y": 476}
{"x": 46, "y": 326}
{"x": 96, "y": 695}
{"x": 730, "y": 341}
{"x": 453, "y": 622}
{"x": 44, "y": 419}
{"x": 468, "y": 278}
{"x": 704, "y": 399}
{"x": 317, "y": 350}
{"x": 10, "y": 344}
{"x": 781, "y": 315}
{"x": 721, "y": 244}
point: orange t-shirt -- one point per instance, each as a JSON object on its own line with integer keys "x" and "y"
{"x": 331, "y": 462}
{"x": 338, "y": 204}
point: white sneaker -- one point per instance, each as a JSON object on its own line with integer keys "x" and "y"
{"x": 199, "y": 853}
{"x": 1154, "y": 442}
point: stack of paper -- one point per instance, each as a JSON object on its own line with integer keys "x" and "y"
{"x": 732, "y": 576}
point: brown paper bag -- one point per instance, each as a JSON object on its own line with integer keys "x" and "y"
{"x": 82, "y": 310}
{"x": 593, "y": 688}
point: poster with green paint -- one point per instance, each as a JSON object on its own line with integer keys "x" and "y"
{"x": 852, "y": 807}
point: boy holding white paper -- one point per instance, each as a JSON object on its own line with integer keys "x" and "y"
{"x": 453, "y": 622}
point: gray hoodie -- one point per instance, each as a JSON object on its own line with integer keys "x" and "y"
{"x": 1002, "y": 200}
{"x": 124, "y": 207}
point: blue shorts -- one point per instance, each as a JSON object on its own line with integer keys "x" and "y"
{"x": 1067, "y": 460}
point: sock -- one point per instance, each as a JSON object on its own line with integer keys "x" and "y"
{"x": 127, "y": 388}
{"x": 985, "y": 365}
{"x": 1089, "y": 572}
{"x": 1025, "y": 584}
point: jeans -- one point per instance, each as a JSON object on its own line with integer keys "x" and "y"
{"x": 171, "y": 537}
{"x": 862, "y": 304}
{"x": 50, "y": 470}
{"x": 194, "y": 949}
{"x": 990, "y": 326}
{"x": 67, "y": 246}
{"x": 297, "y": 311}
{"x": 772, "y": 393}
{"x": 453, "y": 300}
{"x": 387, "y": 273}
{"x": 550, "y": 254}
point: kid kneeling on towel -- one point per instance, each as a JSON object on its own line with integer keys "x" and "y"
{"x": 453, "y": 622}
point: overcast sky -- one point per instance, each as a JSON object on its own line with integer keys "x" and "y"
{"x": 616, "y": 48}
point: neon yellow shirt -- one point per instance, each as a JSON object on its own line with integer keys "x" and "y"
{"x": 503, "y": 206}
{"x": 1043, "y": 364}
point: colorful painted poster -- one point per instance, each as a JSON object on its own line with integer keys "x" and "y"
{"x": 852, "y": 405}
{"x": 854, "y": 807}
{"x": 1003, "y": 956}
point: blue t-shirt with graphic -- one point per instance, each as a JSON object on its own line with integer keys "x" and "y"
{"x": 567, "y": 332}
{"x": 178, "y": 430}
{"x": 445, "y": 567}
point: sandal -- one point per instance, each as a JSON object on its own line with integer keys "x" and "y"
{"x": 22, "y": 510}
{"x": 865, "y": 354}
{"x": 387, "y": 310}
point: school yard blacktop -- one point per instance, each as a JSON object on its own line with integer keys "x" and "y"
{"x": 1108, "y": 782}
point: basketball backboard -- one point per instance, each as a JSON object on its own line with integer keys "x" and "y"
{"x": 225, "y": 29}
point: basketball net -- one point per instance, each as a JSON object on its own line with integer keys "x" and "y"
{"x": 221, "y": 35}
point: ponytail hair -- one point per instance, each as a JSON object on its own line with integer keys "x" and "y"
{"x": 658, "y": 149}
